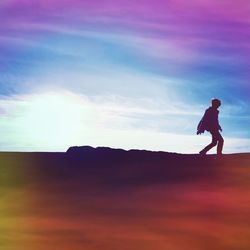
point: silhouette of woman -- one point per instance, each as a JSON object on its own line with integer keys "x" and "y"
{"x": 210, "y": 123}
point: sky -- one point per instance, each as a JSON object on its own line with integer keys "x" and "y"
{"x": 123, "y": 74}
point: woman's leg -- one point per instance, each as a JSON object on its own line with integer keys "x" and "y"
{"x": 220, "y": 143}
{"x": 212, "y": 144}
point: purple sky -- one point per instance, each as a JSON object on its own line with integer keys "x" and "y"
{"x": 122, "y": 74}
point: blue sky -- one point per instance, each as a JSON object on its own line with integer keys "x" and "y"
{"x": 129, "y": 79}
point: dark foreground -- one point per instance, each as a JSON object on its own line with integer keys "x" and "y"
{"x": 115, "y": 200}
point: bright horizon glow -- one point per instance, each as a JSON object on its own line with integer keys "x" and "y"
{"x": 53, "y": 117}
{"x": 66, "y": 119}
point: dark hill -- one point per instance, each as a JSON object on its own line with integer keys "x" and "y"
{"x": 101, "y": 198}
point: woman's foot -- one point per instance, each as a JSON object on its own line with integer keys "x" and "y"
{"x": 202, "y": 152}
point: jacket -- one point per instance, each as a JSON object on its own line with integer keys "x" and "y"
{"x": 209, "y": 121}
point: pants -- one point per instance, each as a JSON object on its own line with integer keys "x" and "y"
{"x": 217, "y": 139}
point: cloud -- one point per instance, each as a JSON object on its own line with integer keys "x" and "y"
{"x": 56, "y": 120}
{"x": 152, "y": 66}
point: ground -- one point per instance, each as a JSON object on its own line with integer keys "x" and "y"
{"x": 113, "y": 199}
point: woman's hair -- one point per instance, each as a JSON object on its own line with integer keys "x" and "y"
{"x": 216, "y": 102}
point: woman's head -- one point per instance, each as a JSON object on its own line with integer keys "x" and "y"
{"x": 216, "y": 103}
